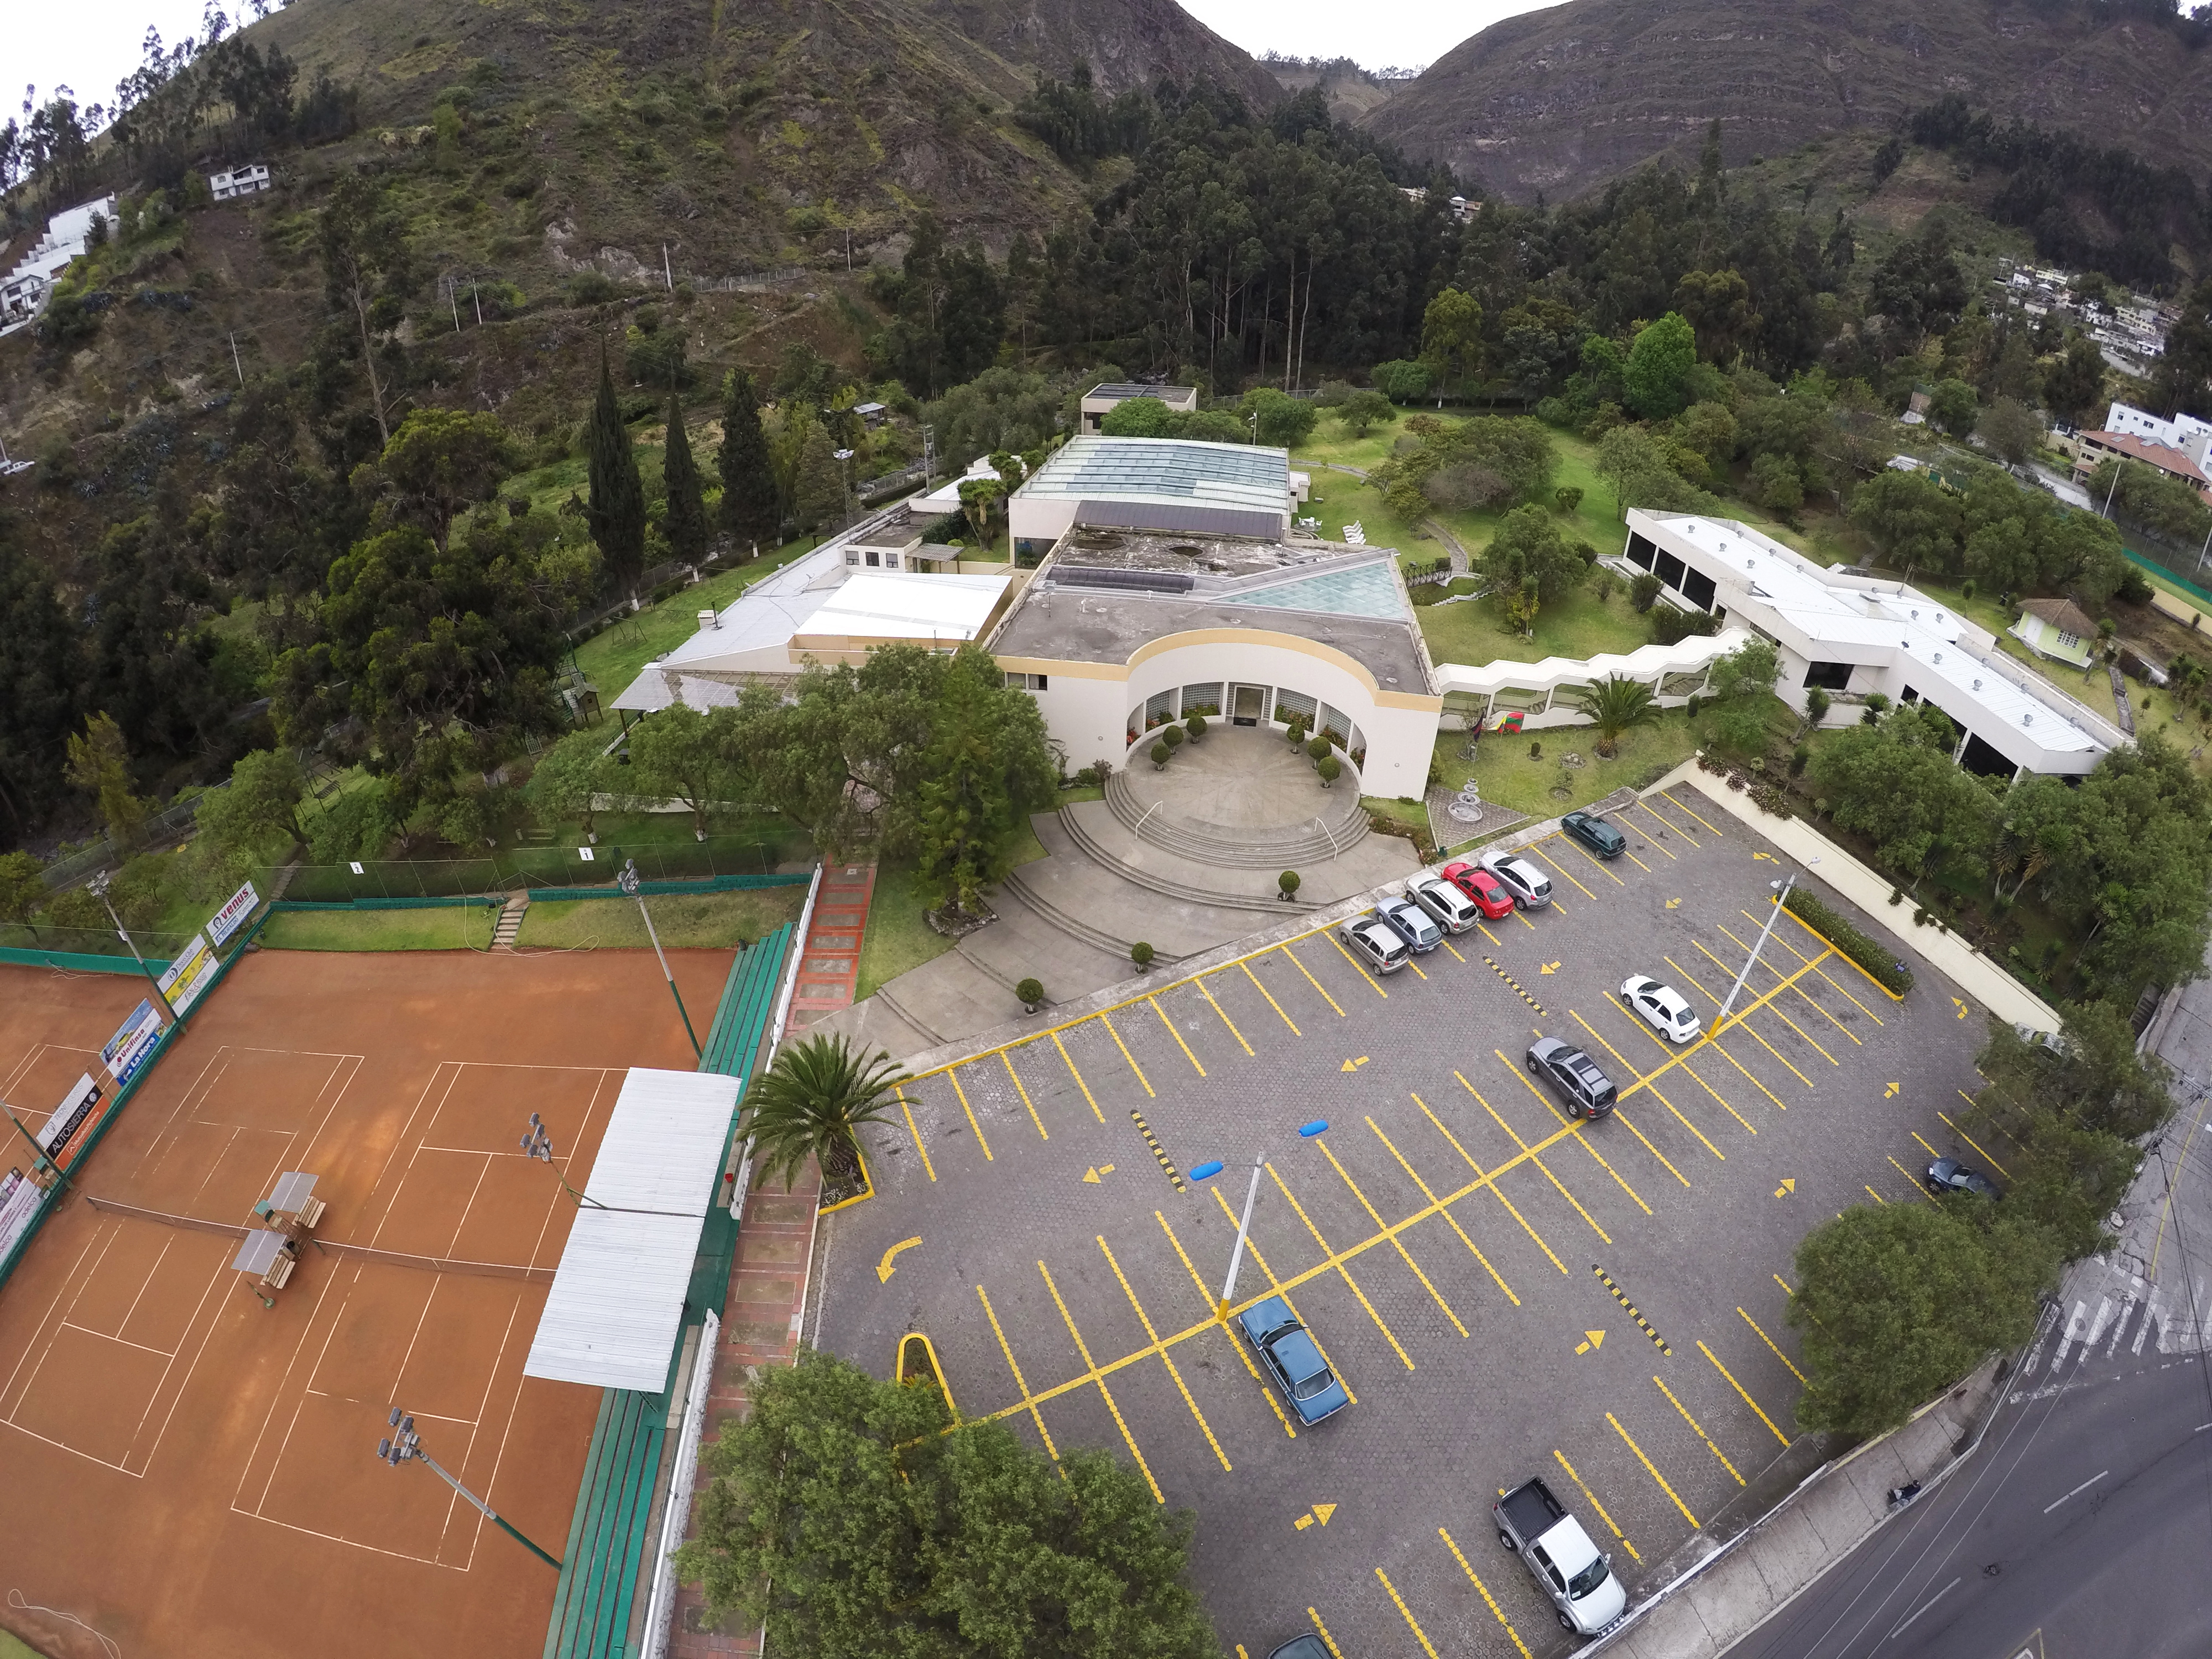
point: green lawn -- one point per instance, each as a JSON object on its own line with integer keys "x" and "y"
{"x": 447, "y": 928}
{"x": 897, "y": 939}
{"x": 1510, "y": 778}
{"x": 686, "y": 921}
{"x": 1580, "y": 625}
{"x": 614, "y": 657}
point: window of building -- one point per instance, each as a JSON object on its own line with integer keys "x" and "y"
{"x": 1289, "y": 702}
{"x": 1337, "y": 725}
{"x": 1640, "y": 550}
{"x": 1025, "y": 682}
{"x": 1909, "y": 695}
{"x": 852, "y": 556}
{"x": 1828, "y": 676}
{"x": 2066, "y": 641}
{"x": 1670, "y": 570}
{"x": 1202, "y": 699}
{"x": 873, "y": 561}
{"x": 1159, "y": 708}
{"x": 1698, "y": 589}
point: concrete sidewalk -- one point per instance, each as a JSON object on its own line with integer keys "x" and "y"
{"x": 1718, "y": 1591}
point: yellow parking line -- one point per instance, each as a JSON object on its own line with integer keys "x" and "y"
{"x": 1640, "y": 865}
{"x": 1623, "y": 1119}
{"x": 1595, "y": 1505}
{"x": 1650, "y": 1469}
{"x": 1396, "y": 1243}
{"x": 1676, "y": 828}
{"x": 1862, "y": 973}
{"x": 1711, "y": 1041}
{"x": 1427, "y": 1646}
{"x": 1775, "y": 1011}
{"x": 1275, "y": 1285}
{"x": 1460, "y": 1557}
{"x": 1335, "y": 1652}
{"x": 1097, "y": 1376}
{"x": 1810, "y": 962}
{"x": 1357, "y": 969}
{"x": 1740, "y": 1389}
{"x": 1547, "y": 859}
{"x": 1751, "y": 1007}
{"x": 1271, "y": 1003}
{"x": 1560, "y": 1117}
{"x": 1874, "y": 1195}
{"x": 1787, "y": 1288}
{"x": 1454, "y": 949}
{"x": 1801, "y": 990}
{"x": 1653, "y": 839}
{"x": 1226, "y": 1020}
{"x": 1925, "y": 1146}
{"x": 1207, "y": 1297}
{"x": 1311, "y": 980}
{"x": 1487, "y": 1180}
{"x": 1678, "y": 807}
{"x": 1077, "y": 1076}
{"x": 1741, "y": 1021}
{"x": 1005, "y": 1061}
{"x": 1667, "y": 1048}
{"x": 915, "y": 1132}
{"x": 1769, "y": 1341}
{"x": 1343, "y": 1272}
{"x": 1661, "y": 1098}
{"x": 1701, "y": 1434}
{"x": 1176, "y": 1035}
{"x": 1595, "y": 863}
{"x": 955, "y": 1078}
{"x": 1962, "y": 1135}
{"x": 1166, "y": 1359}
{"x": 1487, "y": 933}
{"x": 1520, "y": 916}
{"x": 1007, "y": 1348}
{"x": 1127, "y": 1055}
{"x": 1446, "y": 1213}
{"x": 1910, "y": 1176}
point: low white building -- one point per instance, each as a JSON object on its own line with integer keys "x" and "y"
{"x": 1154, "y": 483}
{"x": 1854, "y": 636}
{"x": 2184, "y": 432}
{"x": 239, "y": 181}
{"x": 1099, "y": 403}
{"x": 23, "y": 291}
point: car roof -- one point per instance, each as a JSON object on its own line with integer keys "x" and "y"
{"x": 1266, "y": 1314}
{"x": 1299, "y": 1356}
{"x": 1545, "y": 1048}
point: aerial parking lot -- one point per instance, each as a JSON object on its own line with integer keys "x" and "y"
{"x": 1502, "y": 1291}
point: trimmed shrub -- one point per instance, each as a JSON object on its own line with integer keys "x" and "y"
{"x": 1173, "y": 737}
{"x": 1141, "y": 954}
{"x": 1330, "y": 769}
{"x": 1195, "y": 727}
{"x": 1029, "y": 992}
{"x": 1877, "y": 961}
{"x": 1317, "y": 749}
{"x": 1160, "y": 753}
{"x": 1289, "y": 882}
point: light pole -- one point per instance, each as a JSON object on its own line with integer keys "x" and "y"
{"x": 628, "y": 882}
{"x": 99, "y": 886}
{"x": 39, "y": 1152}
{"x": 1207, "y": 1172}
{"x": 1781, "y": 897}
{"x": 538, "y": 1143}
{"x": 405, "y": 1446}
{"x": 845, "y": 459}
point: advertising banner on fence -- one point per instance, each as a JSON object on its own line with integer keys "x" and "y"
{"x": 232, "y": 917}
{"x": 69, "y": 1117}
{"x": 19, "y": 1202}
{"x": 126, "y": 1051}
{"x": 191, "y": 973}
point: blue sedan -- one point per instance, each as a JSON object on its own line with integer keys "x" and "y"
{"x": 1293, "y": 1358}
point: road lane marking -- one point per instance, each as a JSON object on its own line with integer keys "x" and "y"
{"x": 1153, "y": 1141}
{"x": 1485, "y": 1181}
{"x": 1769, "y": 1341}
{"x": 1270, "y": 995}
{"x": 1176, "y": 1035}
{"x": 2000, "y": 1167}
{"x": 1711, "y": 1039}
{"x": 1099, "y": 1378}
{"x": 1077, "y": 1076}
{"x": 1335, "y": 1652}
{"x": 1632, "y": 1310}
{"x": 1701, "y": 1434}
{"x": 1127, "y": 1055}
{"x": 1741, "y": 1021}
{"x": 1311, "y": 980}
{"x": 1343, "y": 1272}
{"x": 1457, "y": 1555}
{"x": 953, "y": 1076}
{"x": 1226, "y": 1020}
{"x": 1594, "y": 863}
{"x": 1595, "y": 1505}
{"x": 1547, "y": 859}
{"x": 1207, "y": 1297}
{"x": 1673, "y": 827}
{"x": 1399, "y": 1244}
{"x": 1427, "y": 1646}
{"x": 1006, "y": 1061}
{"x": 1777, "y": 938}
{"x": 1159, "y": 1348}
{"x": 1661, "y": 1098}
{"x": 1447, "y": 1214}
{"x": 1910, "y": 1176}
{"x": 1651, "y": 1469}
{"x": 1667, "y": 1048}
{"x": 915, "y": 1132}
{"x": 1924, "y": 1608}
{"x": 1741, "y": 1390}
{"x": 2079, "y": 1490}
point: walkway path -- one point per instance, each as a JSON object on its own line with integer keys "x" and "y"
{"x": 1459, "y": 563}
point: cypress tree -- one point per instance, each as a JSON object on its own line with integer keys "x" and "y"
{"x": 751, "y": 512}
{"x": 687, "y": 512}
{"x": 617, "y": 510}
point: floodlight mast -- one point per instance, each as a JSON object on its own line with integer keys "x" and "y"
{"x": 629, "y": 883}
{"x": 537, "y": 1144}
{"x": 98, "y": 886}
{"x": 405, "y": 1446}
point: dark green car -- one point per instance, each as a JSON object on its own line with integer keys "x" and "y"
{"x": 1595, "y": 833}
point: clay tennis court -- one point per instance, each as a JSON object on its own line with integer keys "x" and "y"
{"x": 191, "y": 1473}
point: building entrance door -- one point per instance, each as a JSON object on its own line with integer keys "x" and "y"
{"x": 1247, "y": 704}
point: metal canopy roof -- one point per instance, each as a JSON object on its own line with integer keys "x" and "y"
{"x": 612, "y": 1318}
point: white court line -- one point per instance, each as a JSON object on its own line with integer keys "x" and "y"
{"x": 332, "y": 1537}
{"x": 507, "y": 1430}
{"x": 32, "y": 1381}
{"x": 165, "y": 1139}
{"x": 421, "y": 1319}
{"x": 402, "y": 1141}
{"x": 1924, "y": 1606}
{"x": 462, "y": 1220}
{"x": 72, "y": 1451}
{"x": 151, "y": 1273}
{"x": 222, "y": 1271}
{"x": 8, "y": 1388}
{"x": 2079, "y": 1490}
{"x": 434, "y": 1417}
{"x": 163, "y": 1353}
{"x": 290, "y": 1365}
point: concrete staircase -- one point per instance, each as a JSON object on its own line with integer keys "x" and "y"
{"x": 510, "y": 922}
{"x": 1338, "y": 823}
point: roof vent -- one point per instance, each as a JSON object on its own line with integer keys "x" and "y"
{"x": 2027, "y": 719}
{"x": 1938, "y": 656}
{"x": 1977, "y": 685}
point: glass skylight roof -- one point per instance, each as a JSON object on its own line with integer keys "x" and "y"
{"x": 1363, "y": 590}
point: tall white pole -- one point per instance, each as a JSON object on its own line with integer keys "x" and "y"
{"x": 1721, "y": 1018}
{"x": 1236, "y": 1255}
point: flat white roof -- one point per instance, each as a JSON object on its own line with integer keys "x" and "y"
{"x": 901, "y": 604}
{"x": 1090, "y": 467}
{"x": 612, "y": 1318}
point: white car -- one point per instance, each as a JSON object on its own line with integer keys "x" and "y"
{"x": 1662, "y": 1007}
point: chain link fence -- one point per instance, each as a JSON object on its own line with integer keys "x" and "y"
{"x": 91, "y": 941}
{"x": 517, "y": 869}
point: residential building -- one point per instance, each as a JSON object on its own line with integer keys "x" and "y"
{"x": 2175, "y": 462}
{"x": 1854, "y": 636}
{"x": 2055, "y": 627}
{"x": 1099, "y": 401}
{"x": 2184, "y": 432}
{"x": 239, "y": 181}
{"x": 24, "y": 290}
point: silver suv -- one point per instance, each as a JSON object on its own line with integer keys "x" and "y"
{"x": 1374, "y": 942}
{"x": 1530, "y": 887}
{"x": 1410, "y": 922}
{"x": 1453, "y": 910}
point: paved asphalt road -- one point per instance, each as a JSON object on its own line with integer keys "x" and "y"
{"x": 2082, "y": 1527}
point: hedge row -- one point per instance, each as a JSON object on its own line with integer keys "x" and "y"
{"x": 1887, "y": 971}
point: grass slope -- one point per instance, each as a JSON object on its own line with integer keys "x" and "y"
{"x": 447, "y": 928}
{"x": 689, "y": 920}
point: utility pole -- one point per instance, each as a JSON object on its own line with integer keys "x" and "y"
{"x": 1781, "y": 897}
{"x": 234, "y": 363}
{"x": 98, "y": 887}
{"x": 628, "y": 882}
{"x": 405, "y": 1446}
{"x": 667, "y": 272}
{"x": 1207, "y": 1172}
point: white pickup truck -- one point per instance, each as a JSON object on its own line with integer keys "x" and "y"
{"x": 1558, "y": 1554}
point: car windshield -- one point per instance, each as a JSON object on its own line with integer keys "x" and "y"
{"x": 1306, "y": 1387}
{"x": 1683, "y": 1017}
{"x": 1587, "y": 1579}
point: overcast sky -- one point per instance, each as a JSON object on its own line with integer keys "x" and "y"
{"x": 87, "y": 45}
{"x": 1404, "y": 33}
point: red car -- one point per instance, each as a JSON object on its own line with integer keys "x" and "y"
{"x": 1479, "y": 884}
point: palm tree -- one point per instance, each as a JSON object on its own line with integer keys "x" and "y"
{"x": 1613, "y": 706}
{"x": 811, "y": 1103}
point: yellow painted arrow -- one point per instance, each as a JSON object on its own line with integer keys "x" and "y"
{"x": 1890, "y": 1090}
{"x": 1673, "y": 904}
{"x": 1549, "y": 968}
{"x": 1353, "y": 1065}
{"x": 883, "y": 1268}
{"x": 1768, "y": 857}
{"x": 1961, "y": 1007}
{"x": 1090, "y": 1176}
{"x": 1323, "y": 1512}
{"x": 1597, "y": 1340}
{"x": 1788, "y": 1187}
